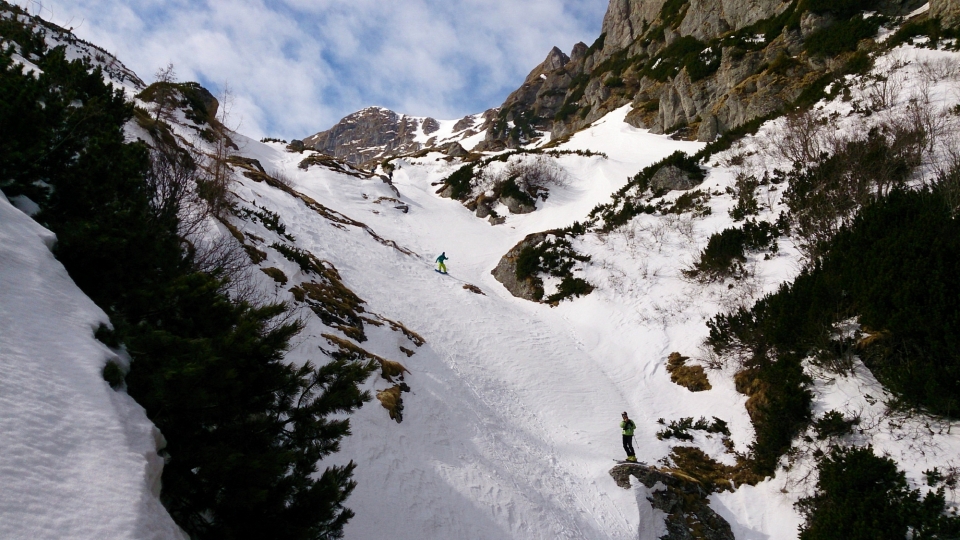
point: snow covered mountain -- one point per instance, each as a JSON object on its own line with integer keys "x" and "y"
{"x": 497, "y": 416}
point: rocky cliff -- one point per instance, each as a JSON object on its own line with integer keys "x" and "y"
{"x": 693, "y": 68}
{"x": 697, "y": 67}
{"x": 366, "y": 137}
{"x": 371, "y": 133}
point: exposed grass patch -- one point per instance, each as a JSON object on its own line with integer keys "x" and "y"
{"x": 275, "y": 274}
{"x": 713, "y": 476}
{"x": 692, "y": 378}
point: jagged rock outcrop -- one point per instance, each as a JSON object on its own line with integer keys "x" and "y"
{"x": 685, "y": 503}
{"x": 369, "y": 134}
{"x": 736, "y": 79}
{"x": 506, "y": 270}
{"x": 455, "y": 149}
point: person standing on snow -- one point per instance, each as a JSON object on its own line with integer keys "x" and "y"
{"x": 628, "y": 426}
{"x": 442, "y": 268}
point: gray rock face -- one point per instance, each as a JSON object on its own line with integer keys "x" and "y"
{"x": 579, "y": 52}
{"x": 506, "y": 270}
{"x": 684, "y": 502}
{"x": 366, "y": 135}
{"x": 947, "y": 10}
{"x": 626, "y": 20}
{"x": 671, "y": 178}
{"x": 464, "y": 123}
{"x": 455, "y": 149}
{"x": 430, "y": 125}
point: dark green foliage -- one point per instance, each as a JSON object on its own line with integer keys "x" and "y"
{"x": 699, "y": 59}
{"x": 725, "y": 141}
{"x": 576, "y": 90}
{"x": 747, "y": 204}
{"x": 613, "y": 82}
{"x": 681, "y": 429}
{"x": 841, "y": 8}
{"x": 270, "y": 220}
{"x": 113, "y": 374}
{"x": 528, "y": 262}
{"x": 672, "y": 12}
{"x": 690, "y": 201}
{"x": 104, "y": 334}
{"x": 627, "y": 202}
{"x": 783, "y": 63}
{"x": 244, "y": 429}
{"x": 770, "y": 29}
{"x": 196, "y": 101}
{"x": 860, "y": 63}
{"x": 931, "y": 28}
{"x": 782, "y": 409}
{"x": 833, "y": 423}
{"x": 899, "y": 264}
{"x": 509, "y": 188}
{"x": 897, "y": 267}
{"x": 842, "y": 36}
{"x": 459, "y": 182}
{"x": 524, "y": 125}
{"x": 861, "y": 496}
{"x": 571, "y": 286}
{"x": 825, "y": 196}
{"x": 596, "y": 45}
{"x": 557, "y": 258}
{"x": 726, "y": 249}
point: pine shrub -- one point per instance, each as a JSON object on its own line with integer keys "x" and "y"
{"x": 861, "y": 496}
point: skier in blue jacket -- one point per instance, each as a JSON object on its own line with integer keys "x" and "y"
{"x": 442, "y": 268}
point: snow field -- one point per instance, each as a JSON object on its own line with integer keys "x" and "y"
{"x": 77, "y": 459}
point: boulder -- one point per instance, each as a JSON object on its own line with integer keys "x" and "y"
{"x": 506, "y": 270}
{"x": 671, "y": 178}
{"x": 516, "y": 206}
{"x": 430, "y": 125}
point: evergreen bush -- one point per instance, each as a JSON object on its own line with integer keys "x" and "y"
{"x": 245, "y": 429}
{"x": 861, "y": 496}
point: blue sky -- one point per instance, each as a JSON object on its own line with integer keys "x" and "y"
{"x": 295, "y": 67}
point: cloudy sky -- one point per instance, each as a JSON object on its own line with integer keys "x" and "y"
{"x": 297, "y": 66}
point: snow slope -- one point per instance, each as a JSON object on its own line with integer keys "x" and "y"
{"x": 77, "y": 459}
{"x": 512, "y": 423}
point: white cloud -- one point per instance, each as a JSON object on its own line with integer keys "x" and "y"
{"x": 298, "y": 66}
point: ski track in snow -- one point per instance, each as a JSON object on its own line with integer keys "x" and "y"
{"x": 512, "y": 420}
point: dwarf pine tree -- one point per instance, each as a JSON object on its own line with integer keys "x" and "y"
{"x": 245, "y": 429}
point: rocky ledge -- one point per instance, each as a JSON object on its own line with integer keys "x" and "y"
{"x": 681, "y": 498}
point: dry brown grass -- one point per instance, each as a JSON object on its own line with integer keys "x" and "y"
{"x": 692, "y": 463}
{"x": 692, "y": 378}
{"x": 276, "y": 274}
{"x": 416, "y": 338}
{"x": 388, "y": 368}
{"x": 749, "y": 384}
{"x": 474, "y": 289}
{"x": 392, "y": 402}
